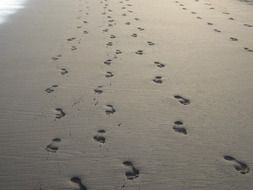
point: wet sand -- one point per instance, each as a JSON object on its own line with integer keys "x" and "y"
{"x": 127, "y": 94}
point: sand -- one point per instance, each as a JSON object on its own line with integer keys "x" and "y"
{"x": 127, "y": 94}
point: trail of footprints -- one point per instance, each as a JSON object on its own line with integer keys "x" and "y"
{"x": 232, "y": 38}
{"x": 131, "y": 171}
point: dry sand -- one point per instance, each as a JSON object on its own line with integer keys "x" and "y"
{"x": 127, "y": 94}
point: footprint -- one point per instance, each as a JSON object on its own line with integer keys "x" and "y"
{"x": 241, "y": 167}
{"x": 73, "y": 48}
{"x": 109, "y": 74}
{"x": 112, "y": 36}
{"x": 216, "y": 30}
{"x": 109, "y": 109}
{"x": 150, "y": 43}
{"x": 78, "y": 181}
{"x": 64, "y": 71}
{"x": 56, "y": 57}
{"x": 128, "y": 23}
{"x": 198, "y": 17}
{"x": 178, "y": 127}
{"x": 158, "y": 79}
{"x": 99, "y": 137}
{"x": 139, "y": 52}
{"x": 124, "y": 14}
{"x": 134, "y": 35}
{"x": 193, "y": 12}
{"x": 51, "y": 88}
{"x": 231, "y": 18}
{"x": 140, "y": 29}
{"x": 226, "y": 13}
{"x": 158, "y": 64}
{"x": 209, "y": 23}
{"x": 98, "y": 90}
{"x": 118, "y": 51}
{"x": 52, "y": 147}
{"x": 60, "y": 113}
{"x": 137, "y": 19}
{"x": 108, "y": 62}
{"x": 71, "y": 39}
{"x": 248, "y": 49}
{"x": 248, "y": 25}
{"x": 133, "y": 172}
{"x": 109, "y": 44}
{"x": 182, "y": 100}
{"x": 233, "y": 39}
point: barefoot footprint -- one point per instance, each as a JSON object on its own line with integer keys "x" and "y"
{"x": 133, "y": 172}
{"x": 182, "y": 100}
{"x": 109, "y": 74}
{"x": 109, "y": 109}
{"x": 51, "y": 88}
{"x": 158, "y": 64}
{"x": 98, "y": 90}
{"x": 178, "y": 127}
{"x": 158, "y": 79}
{"x": 60, "y": 113}
{"x": 78, "y": 181}
{"x": 52, "y": 147}
{"x": 238, "y": 165}
{"x": 99, "y": 137}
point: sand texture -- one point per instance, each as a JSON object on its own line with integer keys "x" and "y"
{"x": 127, "y": 95}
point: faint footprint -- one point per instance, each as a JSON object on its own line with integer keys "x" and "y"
{"x": 238, "y": 165}
{"x": 60, "y": 113}
{"x": 158, "y": 64}
{"x": 109, "y": 74}
{"x": 53, "y": 147}
{"x": 248, "y": 25}
{"x": 151, "y": 43}
{"x": 139, "y": 52}
{"x": 133, "y": 172}
{"x": 216, "y": 30}
{"x": 78, "y": 181}
{"x": 108, "y": 62}
{"x": 64, "y": 71}
{"x": 109, "y": 44}
{"x": 71, "y": 39}
{"x": 158, "y": 79}
{"x": 140, "y": 29}
{"x": 178, "y": 127}
{"x": 248, "y": 49}
{"x": 99, "y": 137}
{"x": 51, "y": 88}
{"x": 182, "y": 100}
{"x": 73, "y": 48}
{"x": 233, "y": 39}
{"x": 134, "y": 35}
{"x": 56, "y": 57}
{"x": 109, "y": 109}
{"x": 85, "y": 32}
{"x": 118, "y": 51}
{"x": 98, "y": 90}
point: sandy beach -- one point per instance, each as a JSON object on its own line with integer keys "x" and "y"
{"x": 127, "y": 95}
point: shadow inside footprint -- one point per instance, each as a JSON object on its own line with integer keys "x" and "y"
{"x": 158, "y": 79}
{"x": 109, "y": 109}
{"x": 109, "y": 74}
{"x": 238, "y": 165}
{"x": 51, "y": 88}
{"x": 60, "y": 113}
{"x": 158, "y": 64}
{"x": 52, "y": 147}
{"x": 178, "y": 127}
{"x": 182, "y": 100}
{"x": 78, "y": 181}
{"x": 98, "y": 90}
{"x": 133, "y": 172}
{"x": 139, "y": 52}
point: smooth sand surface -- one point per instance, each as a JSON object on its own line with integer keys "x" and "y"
{"x": 127, "y": 94}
